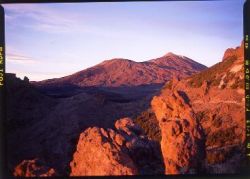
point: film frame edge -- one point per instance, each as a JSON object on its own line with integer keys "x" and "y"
{"x": 3, "y": 86}
{"x": 2, "y": 95}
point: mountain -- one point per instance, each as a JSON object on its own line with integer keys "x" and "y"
{"x": 123, "y": 72}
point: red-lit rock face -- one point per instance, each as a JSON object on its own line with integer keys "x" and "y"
{"x": 123, "y": 151}
{"x": 183, "y": 140}
{"x": 237, "y": 52}
{"x": 213, "y": 99}
{"x": 99, "y": 153}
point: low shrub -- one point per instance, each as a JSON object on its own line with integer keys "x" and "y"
{"x": 148, "y": 122}
{"x": 210, "y": 74}
{"x": 168, "y": 85}
{"x": 220, "y": 137}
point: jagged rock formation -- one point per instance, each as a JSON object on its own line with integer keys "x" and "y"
{"x": 237, "y": 52}
{"x": 124, "y": 151}
{"x": 144, "y": 152}
{"x": 221, "y": 111}
{"x": 99, "y": 153}
{"x": 33, "y": 168}
{"x": 183, "y": 140}
{"x": 216, "y": 98}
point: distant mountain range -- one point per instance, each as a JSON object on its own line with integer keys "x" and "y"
{"x": 122, "y": 72}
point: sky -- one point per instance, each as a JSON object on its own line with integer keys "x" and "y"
{"x": 53, "y": 40}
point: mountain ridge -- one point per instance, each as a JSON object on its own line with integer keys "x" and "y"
{"x": 119, "y": 72}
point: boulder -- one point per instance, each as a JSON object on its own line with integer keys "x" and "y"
{"x": 100, "y": 152}
{"x": 124, "y": 150}
{"x": 145, "y": 153}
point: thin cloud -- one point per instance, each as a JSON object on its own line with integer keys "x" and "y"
{"x": 43, "y": 18}
{"x": 51, "y": 20}
{"x": 20, "y": 59}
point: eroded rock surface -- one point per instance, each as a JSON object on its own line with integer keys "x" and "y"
{"x": 99, "y": 153}
{"x": 183, "y": 141}
{"x": 215, "y": 97}
{"x": 123, "y": 151}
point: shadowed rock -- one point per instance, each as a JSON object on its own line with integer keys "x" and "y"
{"x": 123, "y": 151}
{"x": 33, "y": 168}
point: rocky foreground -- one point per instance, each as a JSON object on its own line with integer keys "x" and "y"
{"x": 194, "y": 125}
{"x": 203, "y": 116}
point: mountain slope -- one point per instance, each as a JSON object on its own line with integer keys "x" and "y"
{"x": 123, "y": 72}
{"x": 226, "y": 74}
{"x": 216, "y": 98}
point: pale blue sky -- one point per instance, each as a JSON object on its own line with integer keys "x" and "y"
{"x": 53, "y": 40}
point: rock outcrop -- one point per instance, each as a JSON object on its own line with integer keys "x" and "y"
{"x": 215, "y": 97}
{"x": 100, "y": 153}
{"x": 183, "y": 140}
{"x": 33, "y": 168}
{"x": 237, "y": 52}
{"x": 108, "y": 152}
{"x": 145, "y": 153}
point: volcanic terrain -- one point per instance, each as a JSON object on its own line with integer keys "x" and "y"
{"x": 169, "y": 115}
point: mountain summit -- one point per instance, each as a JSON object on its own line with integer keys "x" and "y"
{"x": 123, "y": 72}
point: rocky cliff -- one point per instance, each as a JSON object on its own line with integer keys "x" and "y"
{"x": 213, "y": 99}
